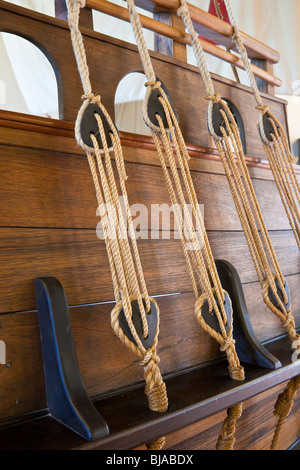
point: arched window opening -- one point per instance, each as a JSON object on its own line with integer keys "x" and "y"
{"x": 29, "y": 83}
{"x": 129, "y": 100}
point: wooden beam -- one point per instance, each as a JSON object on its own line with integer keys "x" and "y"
{"x": 180, "y": 37}
{"x": 86, "y": 15}
{"x": 210, "y": 27}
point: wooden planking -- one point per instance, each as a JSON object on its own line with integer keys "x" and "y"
{"x": 61, "y": 193}
{"x": 265, "y": 324}
{"x": 78, "y": 259}
{"x": 110, "y": 60}
{"x": 257, "y": 416}
{"x": 107, "y": 365}
{"x": 33, "y": 132}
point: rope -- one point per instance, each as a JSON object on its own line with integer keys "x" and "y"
{"x": 281, "y": 163}
{"x": 124, "y": 261}
{"x": 174, "y": 159}
{"x": 220, "y": 15}
{"x": 284, "y": 406}
{"x": 232, "y": 156}
{"x": 277, "y": 149}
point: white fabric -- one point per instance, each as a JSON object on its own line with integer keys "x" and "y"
{"x": 274, "y": 22}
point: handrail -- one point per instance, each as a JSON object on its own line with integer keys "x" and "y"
{"x": 213, "y": 28}
{"x": 112, "y": 9}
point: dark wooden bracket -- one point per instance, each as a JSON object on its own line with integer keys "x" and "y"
{"x": 67, "y": 399}
{"x": 248, "y": 347}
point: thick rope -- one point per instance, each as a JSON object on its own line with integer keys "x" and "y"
{"x": 124, "y": 261}
{"x": 232, "y": 156}
{"x": 277, "y": 150}
{"x": 227, "y": 436}
{"x": 220, "y": 15}
{"x": 281, "y": 163}
{"x": 283, "y": 408}
{"x": 174, "y": 158}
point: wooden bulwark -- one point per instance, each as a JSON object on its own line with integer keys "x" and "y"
{"x": 48, "y": 227}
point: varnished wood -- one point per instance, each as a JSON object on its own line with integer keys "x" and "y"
{"x": 66, "y": 254}
{"x": 180, "y": 38}
{"x": 209, "y": 26}
{"x": 169, "y": 71}
{"x": 68, "y": 198}
{"x": 48, "y": 227}
{"x": 257, "y": 413}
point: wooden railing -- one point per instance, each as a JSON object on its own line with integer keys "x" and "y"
{"x": 165, "y": 22}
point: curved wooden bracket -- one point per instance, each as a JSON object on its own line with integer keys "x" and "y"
{"x": 67, "y": 398}
{"x": 248, "y": 347}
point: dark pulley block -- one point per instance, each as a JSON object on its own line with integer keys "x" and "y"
{"x": 154, "y": 108}
{"x": 273, "y": 299}
{"x": 67, "y": 399}
{"x": 218, "y": 119}
{"x": 152, "y": 320}
{"x": 268, "y": 127}
{"x": 89, "y": 125}
{"x": 249, "y": 349}
{"x": 211, "y": 318}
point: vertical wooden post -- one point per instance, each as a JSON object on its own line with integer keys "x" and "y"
{"x": 263, "y": 86}
{"x": 168, "y": 46}
{"x": 86, "y": 15}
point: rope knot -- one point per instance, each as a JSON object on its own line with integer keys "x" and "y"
{"x": 81, "y": 3}
{"x": 216, "y": 98}
{"x": 157, "y": 397}
{"x": 283, "y": 406}
{"x": 91, "y": 97}
{"x": 264, "y": 109}
{"x": 150, "y": 356}
{"x": 289, "y": 321}
{"x": 228, "y": 343}
{"x": 155, "y": 85}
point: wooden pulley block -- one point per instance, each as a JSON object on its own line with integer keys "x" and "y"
{"x": 211, "y": 318}
{"x": 152, "y": 320}
{"x": 218, "y": 120}
{"x": 280, "y": 294}
{"x": 155, "y": 107}
{"x": 89, "y": 125}
{"x": 267, "y": 132}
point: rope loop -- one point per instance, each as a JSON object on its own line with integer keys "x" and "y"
{"x": 154, "y": 84}
{"x": 264, "y": 109}
{"x": 91, "y": 97}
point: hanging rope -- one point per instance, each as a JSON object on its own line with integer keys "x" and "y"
{"x": 281, "y": 163}
{"x": 132, "y": 299}
{"x": 274, "y": 141}
{"x": 173, "y": 155}
{"x": 283, "y": 407}
{"x": 220, "y": 15}
{"x": 228, "y": 142}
